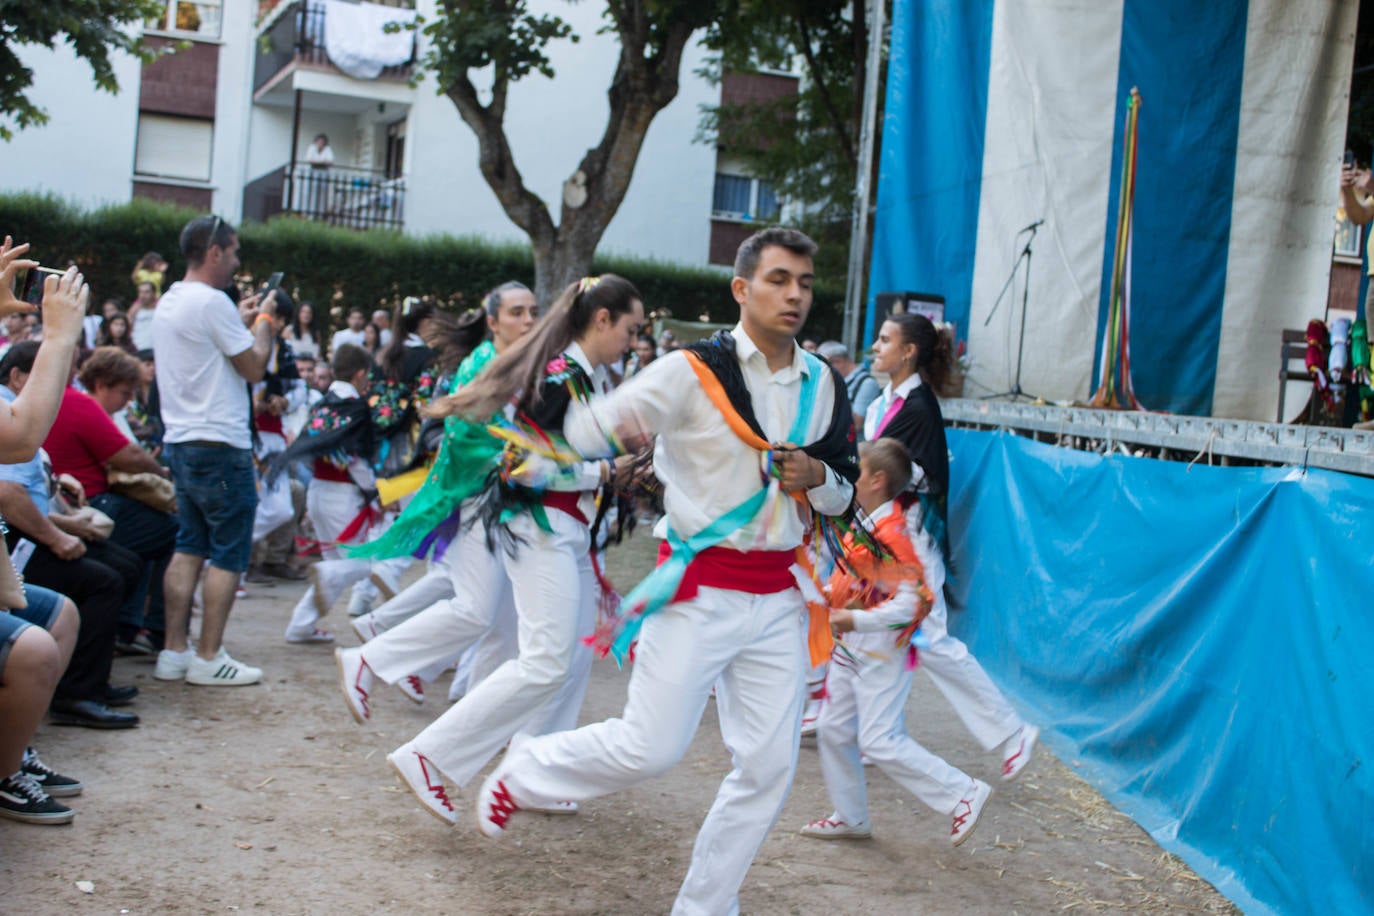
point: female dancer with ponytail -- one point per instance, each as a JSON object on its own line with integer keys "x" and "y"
{"x": 536, "y": 519}
{"x": 917, "y": 358}
{"x": 508, "y": 313}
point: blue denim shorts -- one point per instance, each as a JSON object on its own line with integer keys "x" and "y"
{"x": 217, "y": 497}
{"x": 44, "y": 606}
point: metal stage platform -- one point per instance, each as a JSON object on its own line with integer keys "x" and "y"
{"x": 1173, "y": 437}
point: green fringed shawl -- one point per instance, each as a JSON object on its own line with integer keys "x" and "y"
{"x": 468, "y": 455}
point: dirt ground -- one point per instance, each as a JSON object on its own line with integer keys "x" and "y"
{"x": 269, "y": 799}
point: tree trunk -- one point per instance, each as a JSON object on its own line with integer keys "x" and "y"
{"x": 644, "y": 83}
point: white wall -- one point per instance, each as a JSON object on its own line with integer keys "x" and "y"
{"x": 85, "y": 152}
{"x": 550, "y": 125}
{"x": 233, "y": 99}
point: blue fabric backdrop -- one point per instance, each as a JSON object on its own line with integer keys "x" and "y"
{"x": 1188, "y": 60}
{"x": 1200, "y": 638}
{"x": 931, "y": 164}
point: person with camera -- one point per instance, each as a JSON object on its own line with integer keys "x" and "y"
{"x": 204, "y": 355}
{"x": 35, "y": 641}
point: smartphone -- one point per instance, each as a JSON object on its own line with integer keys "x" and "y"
{"x": 29, "y": 283}
{"x": 1350, "y": 158}
{"x": 273, "y": 282}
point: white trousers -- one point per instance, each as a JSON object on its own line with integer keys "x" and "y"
{"x": 551, "y": 580}
{"x": 332, "y": 505}
{"x": 866, "y": 712}
{"x": 433, "y": 638}
{"x": 495, "y": 647}
{"x": 752, "y": 649}
{"x": 983, "y": 709}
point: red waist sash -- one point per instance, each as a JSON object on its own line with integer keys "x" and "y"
{"x": 754, "y": 572}
{"x": 564, "y": 501}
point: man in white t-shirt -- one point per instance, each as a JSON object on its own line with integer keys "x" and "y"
{"x": 205, "y": 357}
{"x": 353, "y": 334}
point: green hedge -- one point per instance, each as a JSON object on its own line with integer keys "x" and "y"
{"x": 345, "y": 267}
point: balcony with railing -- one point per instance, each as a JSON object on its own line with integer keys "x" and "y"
{"x": 297, "y": 36}
{"x": 339, "y": 196}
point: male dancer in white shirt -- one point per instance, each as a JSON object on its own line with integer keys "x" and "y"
{"x": 743, "y": 632}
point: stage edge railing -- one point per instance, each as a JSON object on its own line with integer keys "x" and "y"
{"x": 1185, "y": 438}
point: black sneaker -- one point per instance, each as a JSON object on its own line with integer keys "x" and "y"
{"x": 21, "y": 799}
{"x": 48, "y": 779}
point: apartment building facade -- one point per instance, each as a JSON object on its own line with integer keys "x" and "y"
{"x": 224, "y": 124}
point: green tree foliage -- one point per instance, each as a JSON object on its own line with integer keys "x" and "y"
{"x": 93, "y": 28}
{"x": 508, "y": 42}
{"x": 807, "y": 146}
{"x": 337, "y": 268}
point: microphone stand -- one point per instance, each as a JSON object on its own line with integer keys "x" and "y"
{"x": 1017, "y": 392}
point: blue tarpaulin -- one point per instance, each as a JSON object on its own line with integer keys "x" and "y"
{"x": 1199, "y": 638}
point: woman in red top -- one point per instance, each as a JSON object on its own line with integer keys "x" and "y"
{"x": 85, "y": 442}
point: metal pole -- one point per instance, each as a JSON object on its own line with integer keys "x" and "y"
{"x": 854, "y": 296}
{"x": 291, "y": 168}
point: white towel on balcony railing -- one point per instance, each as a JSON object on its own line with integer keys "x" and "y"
{"x": 355, "y": 40}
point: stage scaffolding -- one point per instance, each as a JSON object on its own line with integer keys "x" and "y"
{"x": 1170, "y": 437}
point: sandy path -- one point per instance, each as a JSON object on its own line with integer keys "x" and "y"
{"x": 268, "y": 799}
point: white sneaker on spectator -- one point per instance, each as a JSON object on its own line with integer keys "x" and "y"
{"x": 171, "y": 666}
{"x": 221, "y": 671}
{"x": 314, "y": 635}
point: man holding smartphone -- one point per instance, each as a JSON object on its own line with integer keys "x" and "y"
{"x": 204, "y": 355}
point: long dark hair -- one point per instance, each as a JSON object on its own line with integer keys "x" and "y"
{"x": 934, "y": 355}
{"x": 458, "y": 337}
{"x": 405, "y": 320}
{"x": 521, "y": 367}
{"x": 313, "y": 324}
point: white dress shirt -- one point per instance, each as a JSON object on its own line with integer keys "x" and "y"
{"x": 879, "y": 407}
{"x": 705, "y": 468}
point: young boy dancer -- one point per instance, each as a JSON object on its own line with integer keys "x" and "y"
{"x": 741, "y": 628}
{"x": 870, "y": 680}
{"x": 338, "y": 436}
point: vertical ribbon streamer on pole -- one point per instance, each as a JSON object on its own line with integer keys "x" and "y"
{"x": 1114, "y": 388}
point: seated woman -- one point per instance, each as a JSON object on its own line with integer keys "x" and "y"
{"x": 84, "y": 442}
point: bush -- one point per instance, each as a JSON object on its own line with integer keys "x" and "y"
{"x": 344, "y": 267}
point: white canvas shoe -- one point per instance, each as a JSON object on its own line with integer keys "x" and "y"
{"x": 967, "y": 812}
{"x": 424, "y": 781}
{"x": 1016, "y": 753}
{"x": 834, "y": 828}
{"x": 355, "y": 680}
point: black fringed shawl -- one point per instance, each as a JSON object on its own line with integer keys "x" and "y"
{"x": 837, "y": 448}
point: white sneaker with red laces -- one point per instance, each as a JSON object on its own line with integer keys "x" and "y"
{"x": 424, "y": 780}
{"x": 495, "y": 805}
{"x": 967, "y": 812}
{"x": 1016, "y": 753}
{"x": 412, "y": 687}
{"x": 833, "y": 828}
{"x": 355, "y": 680}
